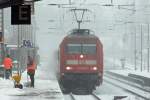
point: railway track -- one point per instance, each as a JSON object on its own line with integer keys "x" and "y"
{"x": 92, "y": 97}
{"x": 127, "y": 81}
{"x": 128, "y": 87}
{"x": 84, "y": 97}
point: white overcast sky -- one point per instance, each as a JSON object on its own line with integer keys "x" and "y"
{"x": 110, "y": 23}
{"x": 105, "y": 16}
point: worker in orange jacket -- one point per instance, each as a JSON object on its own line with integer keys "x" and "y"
{"x": 31, "y": 66}
{"x": 8, "y": 66}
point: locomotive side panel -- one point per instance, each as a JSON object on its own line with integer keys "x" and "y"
{"x": 100, "y": 60}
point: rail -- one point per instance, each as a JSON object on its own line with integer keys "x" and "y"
{"x": 128, "y": 87}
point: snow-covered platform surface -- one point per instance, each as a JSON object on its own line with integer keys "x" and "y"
{"x": 127, "y": 72}
{"x": 45, "y": 89}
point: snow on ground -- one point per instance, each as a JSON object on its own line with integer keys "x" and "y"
{"x": 125, "y": 72}
{"x": 129, "y": 68}
{"x": 45, "y": 89}
{"x": 102, "y": 97}
{"x": 132, "y": 89}
{"x": 111, "y": 97}
{"x": 143, "y": 73}
{"x": 121, "y": 72}
{"x": 107, "y": 89}
{"x": 83, "y": 97}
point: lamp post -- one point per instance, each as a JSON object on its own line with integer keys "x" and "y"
{"x": 141, "y": 50}
{"x": 135, "y": 51}
{"x": 2, "y": 35}
{"x": 123, "y": 60}
{"x": 148, "y": 50}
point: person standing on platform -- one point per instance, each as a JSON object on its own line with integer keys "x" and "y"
{"x": 8, "y": 66}
{"x": 31, "y": 66}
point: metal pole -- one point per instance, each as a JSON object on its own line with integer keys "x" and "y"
{"x": 2, "y": 39}
{"x": 141, "y": 49}
{"x": 79, "y": 24}
{"x": 135, "y": 49}
{"x": 3, "y": 45}
{"x": 148, "y": 50}
{"x": 111, "y": 1}
{"x": 70, "y": 2}
{"x": 18, "y": 55}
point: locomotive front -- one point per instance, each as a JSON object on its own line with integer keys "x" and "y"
{"x": 81, "y": 61}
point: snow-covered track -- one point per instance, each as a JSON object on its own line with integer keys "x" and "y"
{"x": 72, "y": 97}
{"x": 94, "y": 95}
{"x": 127, "y": 80}
{"x": 83, "y": 97}
{"x": 128, "y": 87}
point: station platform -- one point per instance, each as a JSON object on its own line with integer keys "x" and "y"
{"x": 45, "y": 89}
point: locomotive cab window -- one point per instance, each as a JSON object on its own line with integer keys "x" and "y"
{"x": 73, "y": 48}
{"x": 81, "y": 48}
{"x": 88, "y": 48}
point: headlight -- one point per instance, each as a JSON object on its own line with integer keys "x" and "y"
{"x": 68, "y": 68}
{"x": 81, "y": 56}
{"x": 94, "y": 68}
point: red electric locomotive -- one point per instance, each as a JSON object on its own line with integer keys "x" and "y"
{"x": 81, "y": 61}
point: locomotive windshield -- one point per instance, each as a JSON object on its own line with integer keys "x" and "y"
{"x": 74, "y": 48}
{"x": 81, "y": 48}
